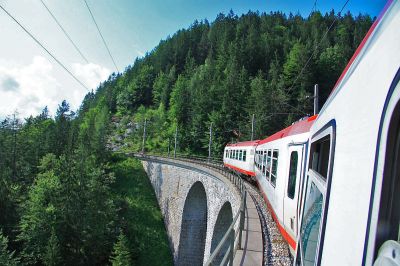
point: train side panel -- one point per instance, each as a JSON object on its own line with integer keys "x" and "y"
{"x": 339, "y": 222}
{"x": 281, "y": 188}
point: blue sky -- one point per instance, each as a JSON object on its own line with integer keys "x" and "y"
{"x": 30, "y": 79}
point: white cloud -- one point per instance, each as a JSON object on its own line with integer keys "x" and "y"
{"x": 34, "y": 87}
{"x": 29, "y": 88}
{"x": 91, "y": 74}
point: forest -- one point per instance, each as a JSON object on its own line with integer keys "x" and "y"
{"x": 69, "y": 197}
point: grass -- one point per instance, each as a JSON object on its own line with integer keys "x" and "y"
{"x": 139, "y": 212}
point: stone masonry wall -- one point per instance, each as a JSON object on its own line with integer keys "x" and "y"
{"x": 172, "y": 182}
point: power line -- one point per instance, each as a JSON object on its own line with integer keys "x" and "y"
{"x": 101, "y": 35}
{"x": 44, "y": 48}
{"x": 65, "y": 32}
{"x": 317, "y": 46}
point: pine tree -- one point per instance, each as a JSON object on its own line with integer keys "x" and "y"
{"x": 6, "y": 257}
{"x": 121, "y": 254}
{"x": 52, "y": 256}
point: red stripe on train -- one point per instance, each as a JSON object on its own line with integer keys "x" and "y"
{"x": 240, "y": 170}
{"x": 286, "y": 236}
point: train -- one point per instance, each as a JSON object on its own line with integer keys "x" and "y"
{"x": 332, "y": 181}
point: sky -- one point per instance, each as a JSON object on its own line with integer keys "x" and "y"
{"x": 30, "y": 79}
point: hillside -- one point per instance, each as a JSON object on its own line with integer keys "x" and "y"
{"x": 225, "y": 71}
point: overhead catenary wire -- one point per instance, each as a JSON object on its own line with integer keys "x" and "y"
{"x": 101, "y": 35}
{"x": 65, "y": 32}
{"x": 317, "y": 46}
{"x": 44, "y": 48}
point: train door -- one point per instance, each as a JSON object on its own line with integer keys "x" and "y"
{"x": 291, "y": 192}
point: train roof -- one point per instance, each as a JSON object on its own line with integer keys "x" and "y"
{"x": 299, "y": 127}
{"x": 251, "y": 143}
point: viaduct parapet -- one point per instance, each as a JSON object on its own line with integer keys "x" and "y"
{"x": 198, "y": 205}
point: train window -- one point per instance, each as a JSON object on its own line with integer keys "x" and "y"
{"x": 294, "y": 158}
{"x": 268, "y": 165}
{"x": 264, "y": 162}
{"x": 316, "y": 197}
{"x": 244, "y": 156}
{"x": 274, "y": 166}
{"x": 310, "y": 226}
{"x": 389, "y": 209}
{"x": 241, "y": 155}
{"x": 320, "y": 156}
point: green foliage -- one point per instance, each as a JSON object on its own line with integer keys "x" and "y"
{"x": 7, "y": 258}
{"x": 226, "y": 71}
{"x": 52, "y": 256}
{"x": 70, "y": 200}
{"x": 141, "y": 218}
{"x": 121, "y": 253}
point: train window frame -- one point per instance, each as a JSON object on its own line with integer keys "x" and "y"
{"x": 264, "y": 162}
{"x": 385, "y": 161}
{"x": 324, "y": 186}
{"x": 244, "y": 155}
{"x": 292, "y": 175}
{"x": 268, "y": 165}
{"x": 274, "y": 165}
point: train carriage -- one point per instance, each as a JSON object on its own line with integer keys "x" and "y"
{"x": 240, "y": 157}
{"x": 351, "y": 203}
{"x": 279, "y": 166}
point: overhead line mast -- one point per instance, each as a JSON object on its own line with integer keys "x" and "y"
{"x": 65, "y": 32}
{"x": 44, "y": 48}
{"x": 101, "y": 35}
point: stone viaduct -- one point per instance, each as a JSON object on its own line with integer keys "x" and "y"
{"x": 198, "y": 205}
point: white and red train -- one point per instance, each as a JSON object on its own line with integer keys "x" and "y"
{"x": 240, "y": 157}
{"x": 332, "y": 182}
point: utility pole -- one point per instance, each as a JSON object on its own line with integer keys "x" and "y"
{"x": 14, "y": 160}
{"x": 176, "y": 136}
{"x": 252, "y": 127}
{"x": 209, "y": 143}
{"x": 169, "y": 144}
{"x": 144, "y": 135}
{"x": 316, "y": 96}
